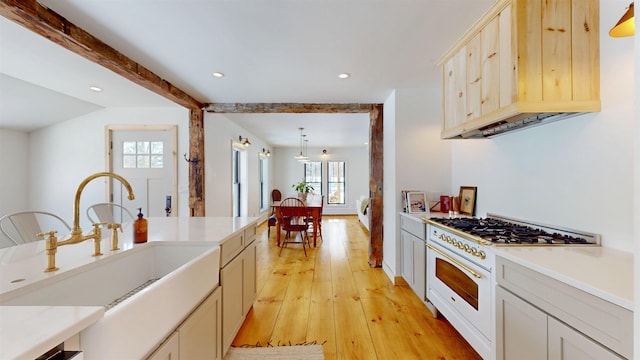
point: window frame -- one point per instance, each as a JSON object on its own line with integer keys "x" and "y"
{"x": 330, "y": 202}
{"x": 306, "y": 178}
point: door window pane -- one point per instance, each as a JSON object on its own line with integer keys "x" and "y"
{"x": 143, "y": 162}
{"x": 129, "y": 161}
{"x": 143, "y": 147}
{"x": 157, "y": 147}
{"x": 129, "y": 147}
{"x": 157, "y": 161}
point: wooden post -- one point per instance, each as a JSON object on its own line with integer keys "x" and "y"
{"x": 196, "y": 166}
{"x": 375, "y": 186}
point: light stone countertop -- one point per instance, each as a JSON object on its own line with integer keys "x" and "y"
{"x": 29, "y": 331}
{"x": 26, "y": 332}
{"x": 604, "y": 272}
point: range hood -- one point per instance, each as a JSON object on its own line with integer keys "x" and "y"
{"x": 522, "y": 64}
{"x": 515, "y": 123}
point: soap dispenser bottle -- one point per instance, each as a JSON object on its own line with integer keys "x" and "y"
{"x": 140, "y": 229}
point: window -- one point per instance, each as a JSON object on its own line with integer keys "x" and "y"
{"x": 313, "y": 175}
{"x": 264, "y": 197}
{"x": 335, "y": 182}
{"x": 236, "y": 182}
{"x": 142, "y": 154}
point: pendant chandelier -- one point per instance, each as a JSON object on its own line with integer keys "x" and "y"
{"x": 306, "y": 158}
{"x": 301, "y": 157}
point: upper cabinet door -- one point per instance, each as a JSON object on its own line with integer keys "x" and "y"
{"x": 490, "y": 55}
{"x": 455, "y": 79}
{"x": 474, "y": 78}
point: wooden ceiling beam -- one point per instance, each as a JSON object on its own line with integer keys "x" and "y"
{"x": 295, "y": 108}
{"x": 46, "y": 22}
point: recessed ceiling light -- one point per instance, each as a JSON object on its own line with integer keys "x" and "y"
{"x": 343, "y": 76}
{"x": 95, "y": 88}
{"x": 366, "y": 143}
{"x": 218, "y": 74}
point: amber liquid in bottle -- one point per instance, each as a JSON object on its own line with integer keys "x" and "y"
{"x": 140, "y": 229}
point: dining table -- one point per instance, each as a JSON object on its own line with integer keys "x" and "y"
{"x": 313, "y": 204}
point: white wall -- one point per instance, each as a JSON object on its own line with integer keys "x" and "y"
{"x": 219, "y": 135}
{"x": 14, "y": 156}
{"x": 390, "y": 240}
{"x": 288, "y": 171}
{"x": 576, "y": 173}
{"x": 415, "y": 158}
{"x": 63, "y": 155}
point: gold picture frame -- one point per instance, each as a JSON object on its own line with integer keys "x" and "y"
{"x": 468, "y": 200}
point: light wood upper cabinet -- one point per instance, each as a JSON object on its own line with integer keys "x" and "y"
{"x": 522, "y": 58}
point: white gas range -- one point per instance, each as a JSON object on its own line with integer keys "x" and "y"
{"x": 460, "y": 267}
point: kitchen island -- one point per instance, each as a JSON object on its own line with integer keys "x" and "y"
{"x": 22, "y": 267}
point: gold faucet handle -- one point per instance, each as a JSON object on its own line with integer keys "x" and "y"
{"x": 51, "y": 247}
{"x": 97, "y": 237}
{"x": 114, "y": 226}
{"x": 114, "y": 235}
{"x": 51, "y": 233}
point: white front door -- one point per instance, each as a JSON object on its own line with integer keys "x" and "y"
{"x": 146, "y": 158}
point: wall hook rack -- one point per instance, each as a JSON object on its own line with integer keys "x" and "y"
{"x": 189, "y": 160}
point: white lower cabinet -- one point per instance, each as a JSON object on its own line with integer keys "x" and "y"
{"x": 249, "y": 289}
{"x": 199, "y": 336}
{"x": 413, "y": 261}
{"x": 568, "y": 344}
{"x": 238, "y": 281}
{"x": 522, "y": 328}
{"x": 541, "y": 318}
{"x": 527, "y": 333}
{"x": 169, "y": 350}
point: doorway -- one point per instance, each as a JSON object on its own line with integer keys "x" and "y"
{"x": 146, "y": 157}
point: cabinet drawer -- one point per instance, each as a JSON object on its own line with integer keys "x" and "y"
{"x": 413, "y": 226}
{"x": 230, "y": 248}
{"x": 250, "y": 234}
{"x": 606, "y": 323}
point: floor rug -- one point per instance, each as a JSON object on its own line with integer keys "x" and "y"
{"x": 307, "y": 352}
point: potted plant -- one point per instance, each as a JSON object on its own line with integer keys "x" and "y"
{"x": 303, "y": 188}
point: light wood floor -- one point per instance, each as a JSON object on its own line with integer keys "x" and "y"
{"x": 332, "y": 297}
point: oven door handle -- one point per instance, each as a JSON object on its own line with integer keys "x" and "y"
{"x": 463, "y": 266}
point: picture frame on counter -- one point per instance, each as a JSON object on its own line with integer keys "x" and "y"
{"x": 403, "y": 196}
{"x": 416, "y": 202}
{"x": 467, "y": 200}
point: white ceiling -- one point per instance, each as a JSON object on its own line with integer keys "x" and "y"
{"x": 269, "y": 51}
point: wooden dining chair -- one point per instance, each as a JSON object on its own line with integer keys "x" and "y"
{"x": 276, "y": 195}
{"x": 295, "y": 219}
{"x": 318, "y": 220}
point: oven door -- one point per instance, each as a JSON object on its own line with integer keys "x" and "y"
{"x": 456, "y": 284}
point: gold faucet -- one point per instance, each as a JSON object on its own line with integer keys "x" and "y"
{"x": 76, "y": 235}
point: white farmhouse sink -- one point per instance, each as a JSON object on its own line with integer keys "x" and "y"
{"x": 170, "y": 279}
